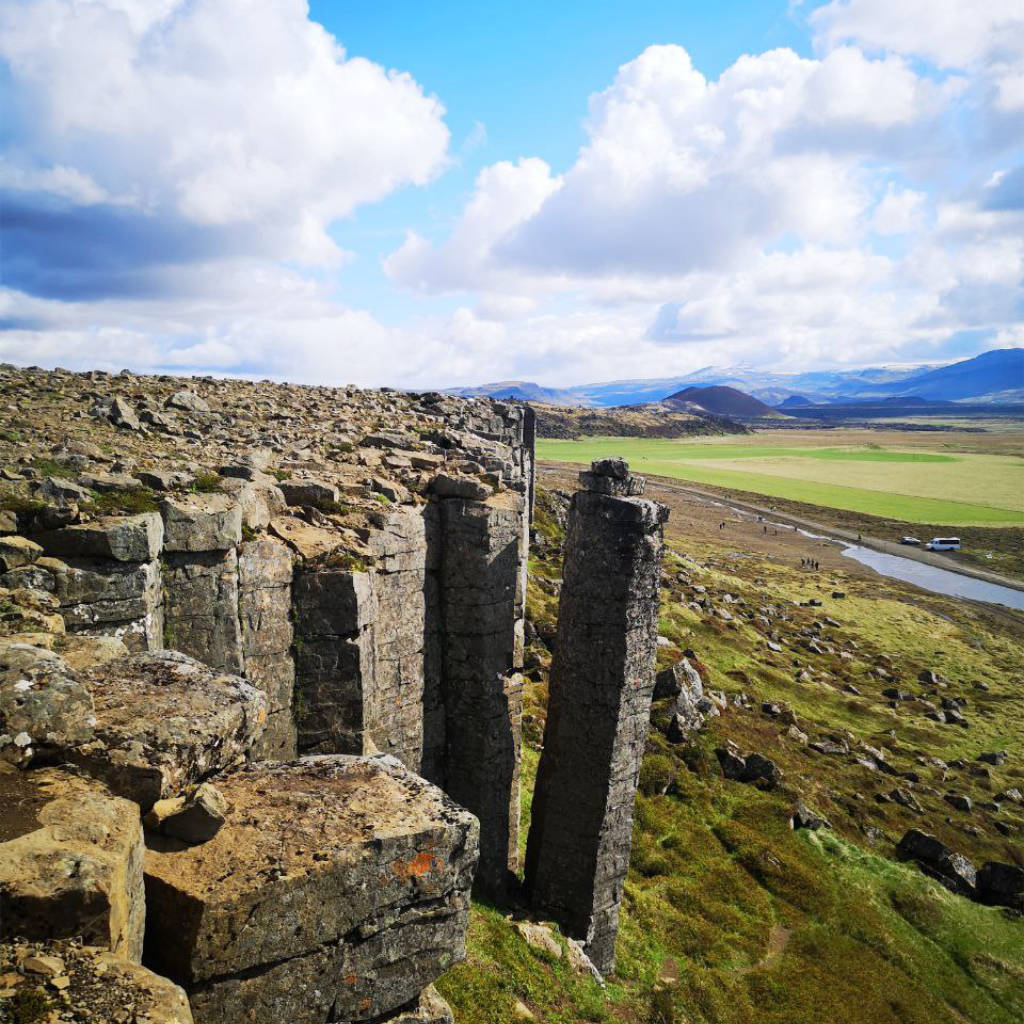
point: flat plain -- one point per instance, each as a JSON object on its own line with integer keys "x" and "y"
{"x": 956, "y": 478}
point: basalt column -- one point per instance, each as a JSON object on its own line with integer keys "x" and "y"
{"x": 481, "y": 588}
{"x": 602, "y": 678}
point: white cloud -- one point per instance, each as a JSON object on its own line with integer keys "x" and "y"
{"x": 986, "y": 38}
{"x": 710, "y": 221}
{"x": 222, "y": 113}
{"x": 175, "y": 166}
{"x": 900, "y": 210}
{"x": 681, "y": 174}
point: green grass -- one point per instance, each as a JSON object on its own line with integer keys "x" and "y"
{"x": 760, "y": 924}
{"x": 904, "y": 485}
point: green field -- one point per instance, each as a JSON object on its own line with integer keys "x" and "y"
{"x": 913, "y": 486}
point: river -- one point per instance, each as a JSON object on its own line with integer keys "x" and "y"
{"x": 930, "y": 577}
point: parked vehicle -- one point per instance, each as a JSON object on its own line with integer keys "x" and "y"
{"x": 910, "y": 540}
{"x": 943, "y": 544}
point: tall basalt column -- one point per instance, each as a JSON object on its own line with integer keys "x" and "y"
{"x": 602, "y": 679}
{"x": 481, "y": 595}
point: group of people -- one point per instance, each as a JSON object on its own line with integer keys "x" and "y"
{"x": 808, "y": 563}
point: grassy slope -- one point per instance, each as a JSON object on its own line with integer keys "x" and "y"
{"x": 898, "y": 478}
{"x": 755, "y": 922}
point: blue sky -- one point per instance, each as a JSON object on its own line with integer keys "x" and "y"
{"x": 425, "y": 195}
{"x": 514, "y": 79}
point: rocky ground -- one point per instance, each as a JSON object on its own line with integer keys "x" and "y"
{"x": 228, "y": 615}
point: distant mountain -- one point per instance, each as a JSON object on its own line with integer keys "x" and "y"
{"x": 520, "y": 390}
{"x": 794, "y": 402}
{"x": 719, "y": 401}
{"x": 996, "y": 373}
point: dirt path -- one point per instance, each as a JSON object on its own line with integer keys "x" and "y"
{"x": 778, "y": 940}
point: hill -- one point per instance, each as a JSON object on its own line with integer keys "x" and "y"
{"x": 720, "y": 401}
{"x": 991, "y": 372}
{"x": 794, "y": 402}
{"x": 650, "y": 420}
{"x": 994, "y": 375}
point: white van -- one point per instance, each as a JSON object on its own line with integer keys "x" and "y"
{"x": 943, "y": 544}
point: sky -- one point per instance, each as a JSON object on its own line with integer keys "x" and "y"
{"x": 429, "y": 195}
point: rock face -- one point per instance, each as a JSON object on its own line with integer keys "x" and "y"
{"x": 201, "y": 578}
{"x": 482, "y": 583}
{"x": 353, "y": 894}
{"x": 70, "y": 862}
{"x": 602, "y": 680}
{"x": 266, "y": 635}
{"x": 109, "y": 579}
{"x": 321, "y": 570}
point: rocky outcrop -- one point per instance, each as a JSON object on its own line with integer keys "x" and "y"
{"x": 266, "y": 632}
{"x": 602, "y": 680}
{"x": 149, "y": 725}
{"x": 320, "y": 570}
{"x": 108, "y": 579}
{"x": 351, "y": 897}
{"x": 70, "y": 862}
{"x": 200, "y": 578}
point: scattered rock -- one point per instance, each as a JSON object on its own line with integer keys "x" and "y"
{"x": 539, "y": 937}
{"x": 1001, "y": 885}
{"x": 804, "y": 817}
{"x": 952, "y": 869}
{"x": 193, "y": 819}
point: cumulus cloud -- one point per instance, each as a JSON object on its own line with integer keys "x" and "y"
{"x": 172, "y": 169}
{"x": 191, "y": 130}
{"x": 681, "y": 174}
{"x": 744, "y": 214}
{"x": 985, "y": 38}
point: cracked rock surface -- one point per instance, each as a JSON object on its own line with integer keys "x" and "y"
{"x": 352, "y": 897}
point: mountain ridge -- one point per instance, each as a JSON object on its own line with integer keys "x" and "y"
{"x": 997, "y": 372}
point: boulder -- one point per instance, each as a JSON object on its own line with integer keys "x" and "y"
{"x": 186, "y": 401}
{"x": 428, "y": 1008}
{"x": 121, "y": 538}
{"x": 164, "y": 722}
{"x": 61, "y": 491}
{"x": 70, "y": 861}
{"x": 804, "y": 817}
{"x": 120, "y": 412}
{"x": 17, "y": 551}
{"x": 1001, "y": 885}
{"x": 163, "y": 479}
{"x": 89, "y": 984}
{"x": 446, "y": 485}
{"x": 192, "y": 819}
{"x": 733, "y": 765}
{"x": 201, "y": 522}
{"x": 308, "y": 492}
{"x": 336, "y": 890}
{"x": 44, "y": 707}
{"x": 952, "y": 869}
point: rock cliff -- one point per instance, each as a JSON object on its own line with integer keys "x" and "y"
{"x": 261, "y": 646}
